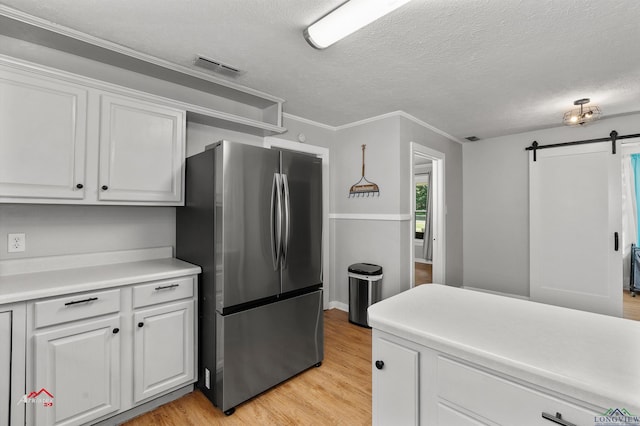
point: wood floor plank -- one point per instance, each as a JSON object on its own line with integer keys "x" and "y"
{"x": 336, "y": 393}
{"x": 423, "y": 273}
{"x": 631, "y": 306}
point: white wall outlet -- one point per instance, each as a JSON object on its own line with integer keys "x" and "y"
{"x": 16, "y": 243}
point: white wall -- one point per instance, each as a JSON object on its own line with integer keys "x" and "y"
{"x": 58, "y": 229}
{"x": 387, "y": 242}
{"x": 496, "y": 202}
{"x": 413, "y": 132}
{"x": 366, "y": 240}
{"x": 201, "y": 135}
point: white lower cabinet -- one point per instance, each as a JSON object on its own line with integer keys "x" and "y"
{"x": 163, "y": 350}
{"x": 78, "y": 367}
{"x": 5, "y": 366}
{"x": 414, "y": 384}
{"x": 12, "y": 364}
{"x": 94, "y": 355}
{"x": 395, "y": 379}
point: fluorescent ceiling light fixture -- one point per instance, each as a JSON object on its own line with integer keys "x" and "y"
{"x": 348, "y": 18}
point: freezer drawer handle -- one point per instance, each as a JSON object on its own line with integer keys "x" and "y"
{"x": 557, "y": 419}
{"x": 379, "y": 365}
{"x": 165, "y": 287}
{"x": 75, "y": 302}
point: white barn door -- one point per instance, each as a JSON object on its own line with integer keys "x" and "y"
{"x": 575, "y": 212}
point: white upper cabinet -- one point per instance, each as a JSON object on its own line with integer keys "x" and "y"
{"x": 69, "y": 140}
{"x": 142, "y": 151}
{"x": 42, "y": 137}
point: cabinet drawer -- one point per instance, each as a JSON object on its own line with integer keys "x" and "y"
{"x": 162, "y": 291}
{"x": 500, "y": 400}
{"x": 76, "y": 307}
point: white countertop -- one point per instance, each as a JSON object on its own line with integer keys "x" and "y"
{"x": 91, "y": 272}
{"x": 595, "y": 358}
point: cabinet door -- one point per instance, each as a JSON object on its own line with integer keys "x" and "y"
{"x": 42, "y": 137}
{"x": 395, "y": 384}
{"x": 79, "y": 365}
{"x": 5, "y": 366}
{"x": 141, "y": 151}
{"x": 163, "y": 351}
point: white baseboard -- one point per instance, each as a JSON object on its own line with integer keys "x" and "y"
{"x": 427, "y": 262}
{"x": 339, "y": 305}
{"x": 499, "y": 293}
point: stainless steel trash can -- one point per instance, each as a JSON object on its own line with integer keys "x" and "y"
{"x": 365, "y": 289}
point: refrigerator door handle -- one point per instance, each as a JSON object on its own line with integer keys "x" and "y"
{"x": 287, "y": 220}
{"x": 276, "y": 225}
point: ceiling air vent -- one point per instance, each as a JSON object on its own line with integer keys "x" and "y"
{"x": 217, "y": 67}
{"x": 472, "y": 138}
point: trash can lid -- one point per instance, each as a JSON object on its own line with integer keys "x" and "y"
{"x": 365, "y": 269}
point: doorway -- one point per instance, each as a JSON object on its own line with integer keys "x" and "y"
{"x": 427, "y": 215}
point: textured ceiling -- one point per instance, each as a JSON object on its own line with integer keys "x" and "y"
{"x": 467, "y": 67}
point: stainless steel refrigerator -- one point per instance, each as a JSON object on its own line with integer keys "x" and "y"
{"x": 253, "y": 221}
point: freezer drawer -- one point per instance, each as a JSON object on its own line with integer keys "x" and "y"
{"x": 261, "y": 347}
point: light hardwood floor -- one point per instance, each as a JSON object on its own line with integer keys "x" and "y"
{"x": 631, "y": 306}
{"x": 423, "y": 273}
{"x": 336, "y": 393}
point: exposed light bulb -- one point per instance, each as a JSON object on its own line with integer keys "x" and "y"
{"x": 574, "y": 119}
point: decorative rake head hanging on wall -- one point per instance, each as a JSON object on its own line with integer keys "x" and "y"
{"x": 364, "y": 187}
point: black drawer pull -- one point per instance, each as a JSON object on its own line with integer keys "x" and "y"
{"x": 379, "y": 365}
{"x": 164, "y": 287}
{"x": 140, "y": 324}
{"x": 75, "y": 302}
{"x": 104, "y": 187}
{"x": 116, "y": 330}
{"x": 557, "y": 419}
{"x": 79, "y": 186}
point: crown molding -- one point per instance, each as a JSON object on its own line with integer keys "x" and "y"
{"x": 398, "y": 113}
{"x": 307, "y": 121}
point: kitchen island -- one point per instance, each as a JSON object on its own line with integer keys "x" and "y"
{"x": 445, "y": 356}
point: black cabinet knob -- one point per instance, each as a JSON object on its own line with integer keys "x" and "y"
{"x": 116, "y": 330}
{"x": 79, "y": 186}
{"x": 379, "y": 365}
{"x": 105, "y": 187}
{"x": 140, "y": 324}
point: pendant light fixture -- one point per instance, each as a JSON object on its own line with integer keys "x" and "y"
{"x": 346, "y": 19}
{"x": 583, "y": 115}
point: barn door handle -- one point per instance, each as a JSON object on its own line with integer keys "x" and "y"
{"x": 616, "y": 241}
